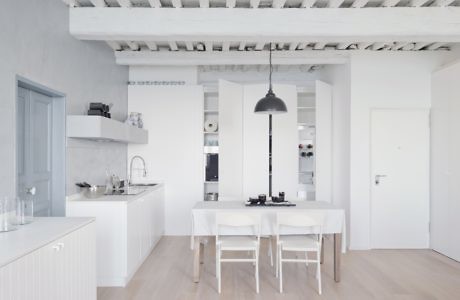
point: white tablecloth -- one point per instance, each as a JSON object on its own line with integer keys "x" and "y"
{"x": 204, "y": 217}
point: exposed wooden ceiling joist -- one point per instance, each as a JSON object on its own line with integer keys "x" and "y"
{"x": 424, "y": 24}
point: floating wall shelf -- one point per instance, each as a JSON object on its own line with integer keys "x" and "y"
{"x": 100, "y": 128}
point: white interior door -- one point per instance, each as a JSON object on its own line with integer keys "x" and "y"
{"x": 399, "y": 178}
{"x": 445, "y": 161}
{"x": 34, "y": 140}
{"x": 230, "y": 140}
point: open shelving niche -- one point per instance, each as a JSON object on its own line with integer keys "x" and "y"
{"x": 211, "y": 139}
{"x": 306, "y": 120}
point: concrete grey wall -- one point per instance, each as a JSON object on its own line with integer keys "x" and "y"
{"x": 35, "y": 44}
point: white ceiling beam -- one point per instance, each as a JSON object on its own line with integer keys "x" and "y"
{"x": 200, "y": 47}
{"x": 225, "y": 46}
{"x": 254, "y": 3}
{"x": 279, "y": 46}
{"x": 242, "y": 46}
{"x": 390, "y": 3}
{"x": 442, "y": 3}
{"x": 293, "y": 46}
{"x": 125, "y": 3}
{"x": 99, "y": 3}
{"x": 364, "y": 46}
{"x": 208, "y": 46}
{"x": 152, "y": 45}
{"x": 398, "y": 45}
{"x": 319, "y": 46}
{"x": 133, "y": 45}
{"x": 419, "y": 46}
{"x": 230, "y": 57}
{"x": 173, "y": 46}
{"x": 155, "y": 3}
{"x": 176, "y": 3}
{"x": 424, "y": 24}
{"x": 378, "y": 46}
{"x": 334, "y": 3}
{"x": 204, "y": 3}
{"x": 408, "y": 47}
{"x": 435, "y": 46}
{"x": 230, "y": 3}
{"x": 307, "y": 3}
{"x": 116, "y": 46}
{"x": 189, "y": 46}
{"x": 359, "y": 3}
{"x": 343, "y": 46}
{"x": 278, "y": 3}
{"x": 259, "y": 46}
{"x": 417, "y": 3}
{"x": 302, "y": 46}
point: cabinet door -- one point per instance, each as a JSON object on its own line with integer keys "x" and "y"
{"x": 145, "y": 215}
{"x": 323, "y": 159}
{"x": 134, "y": 235}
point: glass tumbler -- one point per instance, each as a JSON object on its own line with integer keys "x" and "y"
{"x": 24, "y": 210}
{"x": 7, "y": 214}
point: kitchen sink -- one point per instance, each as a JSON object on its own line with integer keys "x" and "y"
{"x": 144, "y": 184}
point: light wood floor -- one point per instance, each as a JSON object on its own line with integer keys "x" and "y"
{"x": 376, "y": 274}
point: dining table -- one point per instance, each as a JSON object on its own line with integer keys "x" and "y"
{"x": 204, "y": 225}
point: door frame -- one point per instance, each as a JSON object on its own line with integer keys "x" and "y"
{"x": 371, "y": 110}
{"x": 58, "y": 166}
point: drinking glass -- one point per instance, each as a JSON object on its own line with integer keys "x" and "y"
{"x": 24, "y": 210}
{"x": 7, "y": 213}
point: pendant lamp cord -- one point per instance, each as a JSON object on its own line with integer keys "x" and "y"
{"x": 271, "y": 69}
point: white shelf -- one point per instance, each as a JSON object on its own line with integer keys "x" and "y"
{"x": 211, "y": 182}
{"x": 205, "y": 132}
{"x": 105, "y": 129}
{"x": 211, "y": 149}
{"x": 306, "y": 108}
{"x": 211, "y": 111}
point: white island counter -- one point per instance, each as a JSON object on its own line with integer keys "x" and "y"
{"x": 128, "y": 228}
{"x": 51, "y": 258}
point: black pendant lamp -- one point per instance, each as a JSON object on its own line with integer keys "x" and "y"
{"x": 270, "y": 104}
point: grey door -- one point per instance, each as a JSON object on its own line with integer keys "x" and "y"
{"x": 34, "y": 149}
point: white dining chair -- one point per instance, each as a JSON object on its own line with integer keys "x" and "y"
{"x": 305, "y": 230}
{"x": 245, "y": 230}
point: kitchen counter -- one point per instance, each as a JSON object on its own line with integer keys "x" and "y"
{"x": 116, "y": 198}
{"x": 42, "y": 231}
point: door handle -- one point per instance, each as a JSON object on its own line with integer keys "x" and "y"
{"x": 31, "y": 190}
{"x": 377, "y": 178}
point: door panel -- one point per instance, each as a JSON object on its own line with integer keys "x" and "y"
{"x": 400, "y": 178}
{"x": 230, "y": 140}
{"x": 34, "y": 146}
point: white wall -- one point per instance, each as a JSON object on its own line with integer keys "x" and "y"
{"x": 36, "y": 45}
{"x": 380, "y": 80}
{"x": 187, "y": 74}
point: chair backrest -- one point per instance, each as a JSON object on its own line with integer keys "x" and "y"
{"x": 238, "y": 221}
{"x": 311, "y": 222}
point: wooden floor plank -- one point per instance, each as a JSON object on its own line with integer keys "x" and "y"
{"x": 378, "y": 274}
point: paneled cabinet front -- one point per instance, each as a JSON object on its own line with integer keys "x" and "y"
{"x": 63, "y": 269}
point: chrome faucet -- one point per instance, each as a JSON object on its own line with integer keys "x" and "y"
{"x": 131, "y": 168}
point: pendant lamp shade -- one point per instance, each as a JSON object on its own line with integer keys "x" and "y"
{"x": 270, "y": 104}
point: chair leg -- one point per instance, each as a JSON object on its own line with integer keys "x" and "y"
{"x": 280, "y": 260}
{"x": 217, "y": 262}
{"x": 277, "y": 261}
{"x": 219, "y": 274}
{"x": 306, "y": 258}
{"x": 318, "y": 270}
{"x": 270, "y": 251}
{"x": 257, "y": 271}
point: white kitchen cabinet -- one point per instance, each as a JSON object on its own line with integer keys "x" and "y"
{"x": 62, "y": 269}
{"x": 128, "y": 228}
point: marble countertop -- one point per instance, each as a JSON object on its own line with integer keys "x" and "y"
{"x": 42, "y": 231}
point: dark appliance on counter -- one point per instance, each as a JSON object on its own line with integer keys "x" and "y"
{"x": 99, "y": 109}
{"x": 212, "y": 167}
